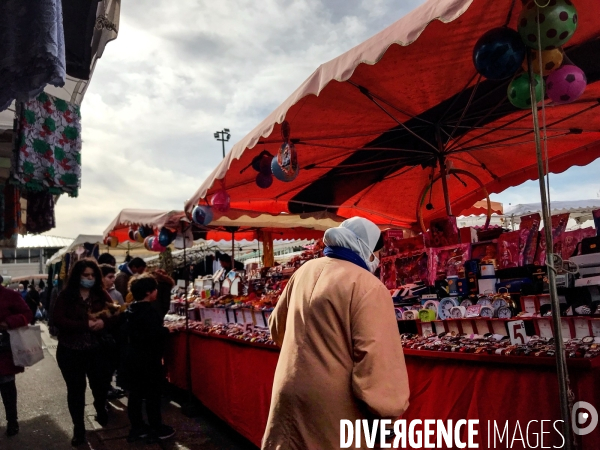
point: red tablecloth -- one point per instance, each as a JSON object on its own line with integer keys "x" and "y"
{"x": 234, "y": 380}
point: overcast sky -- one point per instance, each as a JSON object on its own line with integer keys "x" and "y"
{"x": 180, "y": 70}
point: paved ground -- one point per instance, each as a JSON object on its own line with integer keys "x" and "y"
{"x": 46, "y": 425}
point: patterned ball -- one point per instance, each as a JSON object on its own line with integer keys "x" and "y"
{"x": 111, "y": 241}
{"x": 202, "y": 215}
{"x": 166, "y": 236}
{"x": 498, "y": 53}
{"x": 551, "y": 60}
{"x": 146, "y": 231}
{"x": 566, "y": 84}
{"x": 220, "y": 201}
{"x": 558, "y": 22}
{"x": 148, "y": 243}
{"x": 131, "y": 234}
{"x": 518, "y": 90}
{"x": 137, "y": 236}
{"x": 279, "y": 173}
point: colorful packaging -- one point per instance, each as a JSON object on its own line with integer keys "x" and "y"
{"x": 485, "y": 252}
{"x": 411, "y": 269}
{"x": 391, "y": 238}
{"x": 443, "y": 232}
{"x": 559, "y": 225}
{"x": 508, "y": 249}
{"x": 571, "y": 239}
{"x": 448, "y": 261}
{"x": 528, "y": 240}
{"x": 388, "y": 273}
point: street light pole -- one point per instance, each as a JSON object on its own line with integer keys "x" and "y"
{"x": 223, "y": 136}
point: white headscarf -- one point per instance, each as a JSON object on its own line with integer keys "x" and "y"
{"x": 357, "y": 234}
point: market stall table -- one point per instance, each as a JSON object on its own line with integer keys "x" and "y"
{"x": 234, "y": 380}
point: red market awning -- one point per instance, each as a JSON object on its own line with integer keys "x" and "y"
{"x": 481, "y": 208}
{"x": 128, "y": 218}
{"x": 371, "y": 125}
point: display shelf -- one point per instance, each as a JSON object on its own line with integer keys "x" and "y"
{"x": 583, "y": 363}
{"x": 234, "y": 340}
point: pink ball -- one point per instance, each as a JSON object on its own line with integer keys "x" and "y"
{"x": 220, "y": 200}
{"x": 157, "y": 247}
{"x": 566, "y": 84}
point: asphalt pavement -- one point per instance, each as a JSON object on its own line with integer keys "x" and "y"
{"x": 46, "y": 425}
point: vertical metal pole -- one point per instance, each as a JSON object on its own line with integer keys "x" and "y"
{"x": 233, "y": 250}
{"x": 440, "y": 143}
{"x": 561, "y": 364}
{"x": 223, "y": 142}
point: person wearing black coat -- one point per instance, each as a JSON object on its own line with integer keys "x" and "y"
{"x": 142, "y": 370}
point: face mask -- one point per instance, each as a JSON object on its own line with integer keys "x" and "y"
{"x": 373, "y": 265}
{"x": 87, "y": 284}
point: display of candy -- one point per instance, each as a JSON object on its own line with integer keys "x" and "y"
{"x": 492, "y": 344}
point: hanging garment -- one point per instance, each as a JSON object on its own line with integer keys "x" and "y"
{"x": 40, "y": 212}
{"x": 32, "y": 48}
{"x": 48, "y": 157}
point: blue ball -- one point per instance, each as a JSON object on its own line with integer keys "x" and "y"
{"x": 165, "y": 237}
{"x": 280, "y": 174}
{"x": 202, "y": 215}
{"x": 499, "y": 53}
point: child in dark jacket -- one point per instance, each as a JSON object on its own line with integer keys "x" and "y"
{"x": 146, "y": 338}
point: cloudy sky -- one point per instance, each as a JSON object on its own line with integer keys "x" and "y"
{"x": 180, "y": 70}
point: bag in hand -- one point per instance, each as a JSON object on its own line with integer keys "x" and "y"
{"x": 26, "y": 345}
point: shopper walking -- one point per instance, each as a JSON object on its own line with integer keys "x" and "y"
{"x": 143, "y": 364}
{"x": 14, "y": 313}
{"x": 341, "y": 355}
{"x": 134, "y": 267}
{"x": 82, "y": 314}
{"x": 109, "y": 274}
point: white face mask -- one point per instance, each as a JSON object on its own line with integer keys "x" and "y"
{"x": 373, "y": 265}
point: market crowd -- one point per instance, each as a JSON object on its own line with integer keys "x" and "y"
{"x": 109, "y": 326}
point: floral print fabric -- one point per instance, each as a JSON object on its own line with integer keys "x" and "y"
{"x": 49, "y": 150}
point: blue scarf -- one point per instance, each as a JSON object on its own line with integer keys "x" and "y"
{"x": 347, "y": 255}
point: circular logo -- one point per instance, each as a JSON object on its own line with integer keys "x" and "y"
{"x": 582, "y": 413}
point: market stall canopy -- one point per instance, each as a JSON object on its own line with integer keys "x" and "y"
{"x": 480, "y": 208}
{"x": 248, "y": 225}
{"x": 119, "y": 252}
{"x": 580, "y": 210}
{"x": 373, "y": 125}
{"x": 154, "y": 218}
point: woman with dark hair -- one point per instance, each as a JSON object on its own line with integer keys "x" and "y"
{"x": 82, "y": 314}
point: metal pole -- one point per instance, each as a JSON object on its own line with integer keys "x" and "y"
{"x": 561, "y": 364}
{"x": 443, "y": 171}
{"x": 233, "y": 250}
{"x": 188, "y": 409}
{"x": 223, "y": 142}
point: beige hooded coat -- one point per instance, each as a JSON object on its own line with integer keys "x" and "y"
{"x": 341, "y": 356}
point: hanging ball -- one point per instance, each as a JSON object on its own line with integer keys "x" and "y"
{"x": 280, "y": 174}
{"x": 518, "y": 90}
{"x": 131, "y": 234}
{"x": 149, "y": 242}
{"x": 264, "y": 181}
{"x": 220, "y": 201}
{"x": 265, "y": 164}
{"x": 551, "y": 60}
{"x": 566, "y": 84}
{"x": 202, "y": 215}
{"x": 166, "y": 236}
{"x": 429, "y": 207}
{"x": 557, "y": 23}
{"x": 146, "y": 231}
{"x": 498, "y": 54}
{"x": 111, "y": 241}
{"x": 157, "y": 247}
{"x": 137, "y": 236}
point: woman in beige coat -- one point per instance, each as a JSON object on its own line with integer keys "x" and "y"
{"x": 341, "y": 356}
